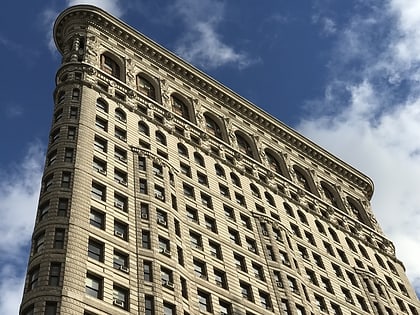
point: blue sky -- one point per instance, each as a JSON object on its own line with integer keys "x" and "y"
{"x": 344, "y": 73}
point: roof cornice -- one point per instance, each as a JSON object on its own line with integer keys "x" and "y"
{"x": 184, "y": 71}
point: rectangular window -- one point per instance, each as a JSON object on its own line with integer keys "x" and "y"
{"x": 94, "y": 286}
{"x": 120, "y": 296}
{"x": 159, "y": 193}
{"x": 192, "y": 214}
{"x": 166, "y": 277}
{"x": 185, "y": 169}
{"x": 63, "y": 204}
{"x": 68, "y": 155}
{"x": 59, "y": 238}
{"x": 120, "y": 134}
{"x": 215, "y": 250}
{"x": 100, "y": 144}
{"x": 33, "y": 277}
{"x": 202, "y": 179}
{"x": 246, "y": 291}
{"x": 99, "y": 165}
{"x": 149, "y": 305}
{"x": 43, "y": 210}
{"x": 121, "y": 230}
{"x": 39, "y": 242}
{"x": 120, "y": 177}
{"x": 144, "y": 209}
{"x": 161, "y": 217}
{"x": 210, "y": 223}
{"x": 204, "y": 301}
{"x": 54, "y": 277}
{"x": 121, "y": 202}
{"x": 50, "y": 308}
{"x": 265, "y": 300}
{"x": 188, "y": 191}
{"x": 240, "y": 262}
{"x": 206, "y": 200}
{"x": 101, "y": 123}
{"x": 96, "y": 250}
{"x": 120, "y": 261}
{"x": 258, "y": 271}
{"x": 234, "y": 236}
{"x": 65, "y": 180}
{"x": 148, "y": 271}
{"x": 97, "y": 218}
{"x": 120, "y": 154}
{"x": 220, "y": 278}
{"x": 74, "y": 112}
{"x": 98, "y": 191}
{"x": 143, "y": 186}
{"x": 196, "y": 240}
{"x": 71, "y": 133}
{"x": 145, "y": 239}
{"x": 200, "y": 268}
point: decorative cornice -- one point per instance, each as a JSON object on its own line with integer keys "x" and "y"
{"x": 128, "y": 36}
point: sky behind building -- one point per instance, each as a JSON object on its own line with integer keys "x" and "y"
{"x": 345, "y": 75}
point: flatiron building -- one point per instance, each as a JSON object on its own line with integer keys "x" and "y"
{"x": 164, "y": 192}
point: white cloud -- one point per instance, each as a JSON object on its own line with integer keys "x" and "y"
{"x": 202, "y": 44}
{"x": 113, "y": 7}
{"x": 373, "y": 115}
{"x": 19, "y": 190}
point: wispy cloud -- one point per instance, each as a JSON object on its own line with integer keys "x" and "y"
{"x": 49, "y": 14}
{"x": 372, "y": 103}
{"x": 19, "y": 190}
{"x": 115, "y": 7}
{"x": 201, "y": 44}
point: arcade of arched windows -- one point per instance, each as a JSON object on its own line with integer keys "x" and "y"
{"x": 181, "y": 106}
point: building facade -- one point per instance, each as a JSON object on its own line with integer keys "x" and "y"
{"x": 164, "y": 192}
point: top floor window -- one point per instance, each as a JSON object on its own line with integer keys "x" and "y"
{"x": 301, "y": 178}
{"x": 180, "y": 108}
{"x": 243, "y": 145}
{"x": 330, "y": 194}
{"x": 110, "y": 66}
{"x": 273, "y": 164}
{"x": 212, "y": 127}
{"x": 120, "y": 115}
{"x": 145, "y": 87}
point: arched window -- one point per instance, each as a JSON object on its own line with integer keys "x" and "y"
{"x": 392, "y": 267}
{"x": 330, "y": 194}
{"x": 180, "y": 108}
{"x": 351, "y": 245}
{"x": 320, "y": 227}
{"x": 334, "y": 235}
{"x": 380, "y": 261}
{"x": 288, "y": 209}
{"x": 198, "y": 159}
{"x": 364, "y": 252}
{"x": 235, "y": 179}
{"x": 120, "y": 115}
{"x": 212, "y": 127}
{"x": 110, "y": 66}
{"x": 269, "y": 199}
{"x": 254, "y": 190}
{"x": 302, "y": 179}
{"x": 219, "y": 171}
{"x": 143, "y": 128}
{"x": 101, "y": 105}
{"x": 358, "y": 212}
{"x": 144, "y": 86}
{"x": 243, "y": 145}
{"x": 182, "y": 150}
{"x": 302, "y": 217}
{"x": 273, "y": 163}
{"x": 160, "y": 137}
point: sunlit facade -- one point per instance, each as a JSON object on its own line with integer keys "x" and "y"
{"x": 164, "y": 192}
